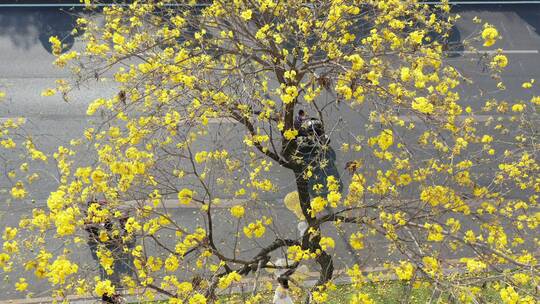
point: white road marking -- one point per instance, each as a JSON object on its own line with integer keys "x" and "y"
{"x": 530, "y": 30}
{"x": 15, "y": 118}
{"x": 477, "y": 118}
{"x": 406, "y": 118}
{"x": 224, "y": 203}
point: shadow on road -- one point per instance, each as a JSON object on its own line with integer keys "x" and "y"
{"x": 29, "y": 26}
{"x": 530, "y": 13}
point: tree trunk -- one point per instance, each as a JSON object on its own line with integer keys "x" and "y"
{"x": 309, "y": 241}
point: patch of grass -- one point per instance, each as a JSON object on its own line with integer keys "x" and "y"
{"x": 382, "y": 292}
{"x": 385, "y": 292}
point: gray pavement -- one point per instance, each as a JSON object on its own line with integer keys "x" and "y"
{"x": 25, "y": 70}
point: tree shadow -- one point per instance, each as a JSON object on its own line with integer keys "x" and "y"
{"x": 530, "y": 13}
{"x": 27, "y": 27}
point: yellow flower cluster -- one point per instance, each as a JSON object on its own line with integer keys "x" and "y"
{"x": 35, "y": 154}
{"x": 171, "y": 263}
{"x": 21, "y": 285}
{"x": 295, "y": 253}
{"x": 256, "y": 229}
{"x": 357, "y": 240}
{"x": 60, "y": 270}
{"x": 106, "y": 260}
{"x": 9, "y": 233}
{"x": 197, "y": 298}
{"x": 356, "y": 61}
{"x": 499, "y": 61}
{"x": 435, "y": 195}
{"x": 185, "y": 196}
{"x": 237, "y": 211}
{"x": 56, "y": 45}
{"x": 384, "y": 140}
{"x": 431, "y": 266}
{"x": 404, "y": 271}
{"x": 434, "y": 232}
{"x": 290, "y": 134}
{"x": 473, "y": 265}
{"x": 202, "y": 156}
{"x": 489, "y": 34}
{"x": 326, "y": 243}
{"x": 132, "y": 225}
{"x": 104, "y": 288}
{"x": 8, "y": 143}
{"x": 356, "y": 189}
{"x": 65, "y": 221}
{"x": 227, "y": 280}
{"x": 288, "y": 94}
{"x": 191, "y": 240}
{"x": 361, "y": 298}
{"x": 317, "y": 205}
{"x": 18, "y": 191}
{"x": 422, "y": 105}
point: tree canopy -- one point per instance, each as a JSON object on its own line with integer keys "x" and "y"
{"x": 410, "y": 153}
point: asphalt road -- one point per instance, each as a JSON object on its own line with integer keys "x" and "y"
{"x": 26, "y": 70}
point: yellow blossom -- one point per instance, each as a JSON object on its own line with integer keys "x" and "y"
{"x": 404, "y": 271}
{"x": 185, "y": 196}
{"x": 56, "y": 45}
{"x": 422, "y": 105}
{"x": 318, "y": 204}
{"x": 489, "y": 34}
{"x": 256, "y": 229}
{"x": 518, "y": 107}
{"x": 237, "y": 211}
{"x": 18, "y": 191}
{"x": 60, "y": 270}
{"x": 246, "y": 15}
{"x": 361, "y": 298}
{"x": 197, "y": 298}
{"x": 48, "y": 92}
{"x": 499, "y": 61}
{"x": 9, "y": 233}
{"x": 431, "y": 265}
{"x": 228, "y": 279}
{"x": 21, "y": 285}
{"x": 357, "y": 240}
{"x": 509, "y": 295}
{"x": 118, "y": 39}
{"x": 104, "y": 288}
{"x": 290, "y": 134}
{"x": 171, "y": 263}
{"x": 356, "y": 60}
{"x": 201, "y": 156}
{"x": 326, "y": 242}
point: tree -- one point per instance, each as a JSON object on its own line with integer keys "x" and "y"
{"x": 207, "y": 96}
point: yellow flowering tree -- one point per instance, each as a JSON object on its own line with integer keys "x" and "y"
{"x": 205, "y": 114}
